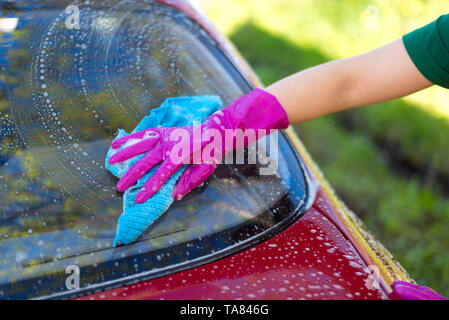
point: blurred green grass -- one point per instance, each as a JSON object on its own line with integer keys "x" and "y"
{"x": 388, "y": 162}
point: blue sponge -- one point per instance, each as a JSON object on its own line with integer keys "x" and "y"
{"x": 174, "y": 112}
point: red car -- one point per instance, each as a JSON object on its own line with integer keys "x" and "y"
{"x": 71, "y": 76}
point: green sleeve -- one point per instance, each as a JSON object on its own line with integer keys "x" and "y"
{"x": 428, "y": 47}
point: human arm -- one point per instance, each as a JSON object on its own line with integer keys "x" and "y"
{"x": 379, "y": 75}
{"x": 382, "y": 74}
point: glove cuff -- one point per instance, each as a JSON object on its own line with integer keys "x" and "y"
{"x": 257, "y": 109}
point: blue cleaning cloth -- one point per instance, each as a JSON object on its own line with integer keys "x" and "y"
{"x": 174, "y": 112}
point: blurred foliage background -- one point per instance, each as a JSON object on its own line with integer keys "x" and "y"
{"x": 388, "y": 162}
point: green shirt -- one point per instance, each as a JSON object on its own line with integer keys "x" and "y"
{"x": 428, "y": 48}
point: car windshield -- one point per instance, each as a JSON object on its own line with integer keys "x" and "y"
{"x": 67, "y": 84}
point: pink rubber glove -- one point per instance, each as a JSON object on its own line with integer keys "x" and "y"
{"x": 409, "y": 291}
{"x": 258, "y": 110}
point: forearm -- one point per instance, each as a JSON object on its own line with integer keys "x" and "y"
{"x": 313, "y": 92}
{"x": 382, "y": 74}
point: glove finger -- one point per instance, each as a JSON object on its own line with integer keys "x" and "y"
{"x": 409, "y": 293}
{"x": 140, "y": 168}
{"x": 162, "y": 174}
{"x": 143, "y": 134}
{"x": 194, "y": 176}
{"x": 134, "y": 150}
